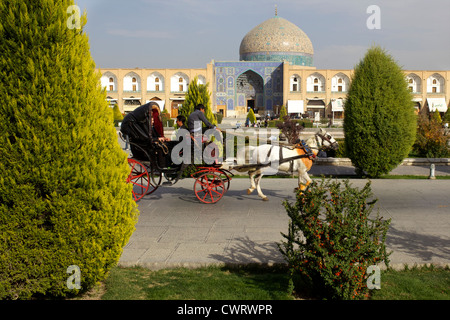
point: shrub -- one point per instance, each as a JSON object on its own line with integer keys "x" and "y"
{"x": 118, "y": 116}
{"x": 64, "y": 199}
{"x": 431, "y": 140}
{"x": 165, "y": 117}
{"x": 219, "y": 117}
{"x": 379, "y": 123}
{"x": 332, "y": 240}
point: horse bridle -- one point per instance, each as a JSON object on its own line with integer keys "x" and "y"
{"x": 326, "y": 138}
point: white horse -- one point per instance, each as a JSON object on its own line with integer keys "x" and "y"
{"x": 269, "y": 157}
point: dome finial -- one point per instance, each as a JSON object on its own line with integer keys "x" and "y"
{"x": 276, "y": 10}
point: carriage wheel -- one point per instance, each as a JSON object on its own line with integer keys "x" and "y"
{"x": 226, "y": 179}
{"x": 155, "y": 179}
{"x": 139, "y": 178}
{"x": 209, "y": 188}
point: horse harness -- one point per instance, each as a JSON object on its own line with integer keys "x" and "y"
{"x": 301, "y": 145}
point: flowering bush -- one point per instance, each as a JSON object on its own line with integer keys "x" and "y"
{"x": 332, "y": 240}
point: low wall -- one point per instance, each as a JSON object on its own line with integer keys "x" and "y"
{"x": 406, "y": 162}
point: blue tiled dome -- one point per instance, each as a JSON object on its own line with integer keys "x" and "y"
{"x": 277, "y": 39}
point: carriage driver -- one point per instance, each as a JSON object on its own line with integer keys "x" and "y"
{"x": 195, "y": 119}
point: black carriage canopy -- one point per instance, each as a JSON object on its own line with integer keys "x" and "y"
{"x": 137, "y": 126}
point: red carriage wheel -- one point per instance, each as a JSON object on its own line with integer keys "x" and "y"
{"x": 155, "y": 179}
{"x": 209, "y": 187}
{"x": 139, "y": 178}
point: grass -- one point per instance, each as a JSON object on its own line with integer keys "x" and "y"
{"x": 424, "y": 283}
{"x": 208, "y": 283}
{"x": 256, "y": 283}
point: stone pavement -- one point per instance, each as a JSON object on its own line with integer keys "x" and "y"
{"x": 175, "y": 229}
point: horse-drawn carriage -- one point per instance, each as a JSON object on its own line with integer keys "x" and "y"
{"x": 151, "y": 161}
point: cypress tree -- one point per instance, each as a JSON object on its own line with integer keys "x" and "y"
{"x": 283, "y": 112}
{"x": 64, "y": 201}
{"x": 198, "y": 94}
{"x": 379, "y": 124}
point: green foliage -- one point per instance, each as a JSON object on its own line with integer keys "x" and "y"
{"x": 332, "y": 240}
{"x": 340, "y": 152}
{"x": 251, "y": 116}
{"x": 117, "y": 115}
{"x": 431, "y": 141}
{"x": 436, "y": 116}
{"x": 198, "y": 94}
{"x": 447, "y": 116}
{"x": 219, "y": 117}
{"x": 303, "y": 123}
{"x": 165, "y": 119}
{"x": 283, "y": 112}
{"x": 379, "y": 123}
{"x": 64, "y": 199}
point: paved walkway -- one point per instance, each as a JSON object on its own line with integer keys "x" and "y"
{"x": 174, "y": 229}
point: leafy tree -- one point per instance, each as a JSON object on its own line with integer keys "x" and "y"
{"x": 379, "y": 123}
{"x": 198, "y": 94}
{"x": 64, "y": 200}
{"x": 431, "y": 140}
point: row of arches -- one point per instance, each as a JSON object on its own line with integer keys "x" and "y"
{"x": 341, "y": 82}
{"x": 435, "y": 83}
{"x": 156, "y": 82}
{"x": 316, "y": 83}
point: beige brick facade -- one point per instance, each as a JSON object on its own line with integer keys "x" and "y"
{"x": 318, "y": 89}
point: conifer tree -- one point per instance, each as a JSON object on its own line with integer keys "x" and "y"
{"x": 283, "y": 112}
{"x": 66, "y": 211}
{"x": 379, "y": 123}
{"x": 118, "y": 116}
{"x": 198, "y": 94}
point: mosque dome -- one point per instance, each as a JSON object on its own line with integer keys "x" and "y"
{"x": 277, "y": 39}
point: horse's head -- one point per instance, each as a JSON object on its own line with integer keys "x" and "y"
{"x": 325, "y": 140}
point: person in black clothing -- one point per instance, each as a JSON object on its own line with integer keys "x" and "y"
{"x": 138, "y": 125}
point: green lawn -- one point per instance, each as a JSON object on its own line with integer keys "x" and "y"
{"x": 209, "y": 283}
{"x": 247, "y": 283}
{"x": 426, "y": 283}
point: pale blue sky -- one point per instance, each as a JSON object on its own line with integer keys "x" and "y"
{"x": 190, "y": 33}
